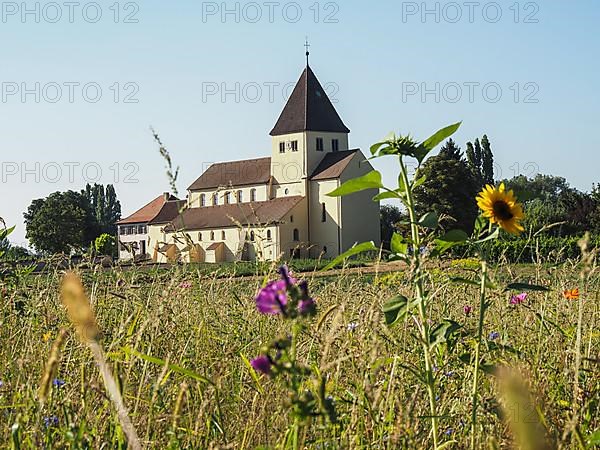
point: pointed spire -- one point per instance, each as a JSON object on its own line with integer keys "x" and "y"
{"x": 308, "y": 109}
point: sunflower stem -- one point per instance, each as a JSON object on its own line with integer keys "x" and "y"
{"x": 475, "y": 397}
{"x": 420, "y": 297}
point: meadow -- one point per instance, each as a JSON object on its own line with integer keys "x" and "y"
{"x": 180, "y": 341}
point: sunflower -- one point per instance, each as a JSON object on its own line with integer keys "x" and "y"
{"x": 501, "y": 207}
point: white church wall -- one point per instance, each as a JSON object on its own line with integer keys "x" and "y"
{"x": 360, "y": 214}
{"x": 324, "y": 235}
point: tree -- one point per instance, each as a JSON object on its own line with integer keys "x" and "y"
{"x": 487, "y": 161}
{"x": 105, "y": 206}
{"x": 543, "y": 187}
{"x": 480, "y": 160}
{"x": 61, "y": 223}
{"x": 390, "y": 217}
{"x": 106, "y": 245}
{"x": 451, "y": 151}
{"x": 450, "y": 188}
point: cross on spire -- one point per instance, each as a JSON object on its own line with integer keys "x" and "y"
{"x": 307, "y": 45}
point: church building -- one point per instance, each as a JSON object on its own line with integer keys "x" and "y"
{"x": 277, "y": 206}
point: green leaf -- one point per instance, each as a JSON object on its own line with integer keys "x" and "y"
{"x": 387, "y": 195}
{"x": 398, "y": 244}
{"x": 162, "y": 362}
{"x": 441, "y": 135}
{"x": 594, "y": 439}
{"x": 456, "y": 236}
{"x": 371, "y": 180}
{"x": 526, "y": 287}
{"x": 443, "y": 332}
{"x": 494, "y": 235}
{"x": 450, "y": 239}
{"x": 375, "y": 147}
{"x": 359, "y": 248}
{"x": 395, "y": 310}
{"x": 461, "y": 280}
{"x": 419, "y": 182}
{"x": 430, "y": 220}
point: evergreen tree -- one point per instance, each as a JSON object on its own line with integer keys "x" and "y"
{"x": 450, "y": 188}
{"x": 451, "y": 151}
{"x": 107, "y": 209}
{"x": 487, "y": 161}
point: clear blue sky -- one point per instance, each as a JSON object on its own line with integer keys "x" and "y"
{"x": 371, "y": 53}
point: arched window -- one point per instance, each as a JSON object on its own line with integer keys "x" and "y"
{"x": 223, "y": 235}
{"x": 227, "y": 198}
{"x": 215, "y": 199}
{"x": 200, "y": 236}
{"x": 269, "y": 235}
{"x": 252, "y": 195}
{"x": 323, "y": 213}
{"x": 203, "y": 200}
{"x": 296, "y": 235}
{"x": 212, "y": 235}
{"x": 252, "y": 236}
{"x": 291, "y": 219}
{"x": 240, "y": 197}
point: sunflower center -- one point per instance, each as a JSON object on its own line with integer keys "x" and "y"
{"x": 502, "y": 210}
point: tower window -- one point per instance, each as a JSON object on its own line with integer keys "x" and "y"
{"x": 200, "y": 237}
{"x": 323, "y": 213}
{"x": 252, "y": 236}
{"x": 203, "y": 200}
{"x": 212, "y": 235}
{"x": 223, "y": 235}
{"x": 215, "y": 199}
{"x": 335, "y": 145}
{"x": 294, "y": 146}
{"x": 239, "y": 196}
{"x": 319, "y": 144}
{"x": 227, "y": 198}
{"x": 269, "y": 235}
{"x": 282, "y": 147}
{"x": 296, "y": 235}
{"x": 252, "y": 195}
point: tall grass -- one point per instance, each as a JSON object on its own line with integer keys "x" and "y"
{"x": 178, "y": 354}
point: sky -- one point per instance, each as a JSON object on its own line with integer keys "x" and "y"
{"x": 81, "y": 83}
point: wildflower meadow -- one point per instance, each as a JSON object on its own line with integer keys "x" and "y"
{"x": 416, "y": 349}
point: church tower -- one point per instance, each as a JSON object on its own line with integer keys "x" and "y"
{"x": 308, "y": 128}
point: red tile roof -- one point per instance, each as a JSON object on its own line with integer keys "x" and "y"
{"x": 148, "y": 212}
{"x": 235, "y": 173}
{"x": 223, "y": 216}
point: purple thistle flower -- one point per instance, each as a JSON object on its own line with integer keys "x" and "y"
{"x": 518, "y": 299}
{"x": 467, "y": 310}
{"x": 494, "y": 335}
{"x": 285, "y": 276}
{"x": 449, "y": 431}
{"x": 262, "y": 364}
{"x": 185, "y": 285}
{"x": 272, "y": 298}
{"x": 58, "y": 383}
{"x": 307, "y": 307}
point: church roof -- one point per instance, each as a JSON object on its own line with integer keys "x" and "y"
{"x": 223, "y": 216}
{"x": 235, "y": 173}
{"x": 149, "y": 211}
{"x": 168, "y": 212}
{"x": 308, "y": 109}
{"x": 333, "y": 165}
